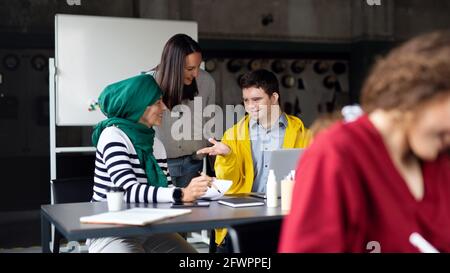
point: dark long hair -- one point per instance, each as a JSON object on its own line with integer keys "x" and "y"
{"x": 170, "y": 71}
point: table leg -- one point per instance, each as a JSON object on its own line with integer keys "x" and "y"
{"x": 45, "y": 234}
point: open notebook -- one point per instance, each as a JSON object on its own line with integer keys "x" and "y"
{"x": 135, "y": 216}
{"x": 217, "y": 190}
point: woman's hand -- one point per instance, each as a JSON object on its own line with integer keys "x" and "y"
{"x": 196, "y": 188}
{"x": 218, "y": 148}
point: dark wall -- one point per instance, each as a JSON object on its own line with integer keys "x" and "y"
{"x": 360, "y": 54}
{"x": 363, "y": 54}
{"x": 26, "y": 44}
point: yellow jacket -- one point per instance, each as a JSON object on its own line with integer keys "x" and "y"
{"x": 237, "y": 166}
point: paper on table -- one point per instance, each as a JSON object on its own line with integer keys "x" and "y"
{"x": 213, "y": 194}
{"x": 135, "y": 216}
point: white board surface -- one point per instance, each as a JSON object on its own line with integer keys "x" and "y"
{"x": 93, "y": 51}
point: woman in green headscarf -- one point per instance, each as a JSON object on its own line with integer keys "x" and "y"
{"x": 125, "y": 159}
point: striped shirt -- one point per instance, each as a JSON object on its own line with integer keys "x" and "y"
{"x": 117, "y": 164}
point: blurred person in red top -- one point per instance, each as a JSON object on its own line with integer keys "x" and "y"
{"x": 369, "y": 184}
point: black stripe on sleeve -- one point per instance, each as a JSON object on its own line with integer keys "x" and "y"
{"x": 118, "y": 162}
{"x": 102, "y": 195}
{"x": 141, "y": 175}
{"x": 136, "y": 194}
{"x": 114, "y": 154}
{"x": 155, "y": 191}
{"x": 99, "y": 160}
{"x": 128, "y": 193}
{"x": 122, "y": 185}
{"x": 121, "y": 170}
{"x": 113, "y": 144}
{"x": 146, "y": 189}
{"x": 136, "y": 166}
{"x": 98, "y": 185}
{"x": 103, "y": 178}
{"x": 101, "y": 169}
{"x": 127, "y": 172}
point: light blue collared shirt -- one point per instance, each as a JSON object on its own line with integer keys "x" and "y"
{"x": 262, "y": 141}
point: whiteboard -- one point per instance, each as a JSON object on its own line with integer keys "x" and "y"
{"x": 93, "y": 51}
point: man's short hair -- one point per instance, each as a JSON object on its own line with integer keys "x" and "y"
{"x": 263, "y": 79}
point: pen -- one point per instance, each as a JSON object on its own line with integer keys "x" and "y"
{"x": 212, "y": 183}
{"x": 204, "y": 165}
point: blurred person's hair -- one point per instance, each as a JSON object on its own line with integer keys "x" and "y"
{"x": 324, "y": 121}
{"x": 410, "y": 75}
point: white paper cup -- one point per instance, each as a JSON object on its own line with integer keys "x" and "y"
{"x": 115, "y": 200}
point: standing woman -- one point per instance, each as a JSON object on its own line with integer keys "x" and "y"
{"x": 181, "y": 80}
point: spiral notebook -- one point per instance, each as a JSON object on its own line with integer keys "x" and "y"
{"x": 241, "y": 202}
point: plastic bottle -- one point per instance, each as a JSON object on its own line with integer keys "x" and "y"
{"x": 286, "y": 192}
{"x": 271, "y": 190}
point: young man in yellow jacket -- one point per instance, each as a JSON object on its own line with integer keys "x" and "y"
{"x": 241, "y": 154}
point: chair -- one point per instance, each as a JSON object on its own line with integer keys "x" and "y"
{"x": 70, "y": 190}
{"x": 261, "y": 237}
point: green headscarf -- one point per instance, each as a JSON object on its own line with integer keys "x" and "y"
{"x": 124, "y": 103}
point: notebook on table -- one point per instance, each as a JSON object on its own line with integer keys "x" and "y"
{"x": 241, "y": 202}
{"x": 135, "y": 216}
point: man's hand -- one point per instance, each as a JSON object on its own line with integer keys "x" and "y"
{"x": 218, "y": 148}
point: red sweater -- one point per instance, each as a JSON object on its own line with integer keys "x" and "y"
{"x": 349, "y": 193}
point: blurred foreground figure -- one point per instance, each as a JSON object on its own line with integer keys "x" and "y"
{"x": 367, "y": 185}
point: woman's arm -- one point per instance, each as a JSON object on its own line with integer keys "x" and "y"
{"x": 125, "y": 171}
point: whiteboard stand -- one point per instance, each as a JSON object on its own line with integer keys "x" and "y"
{"x": 53, "y": 149}
{"x": 52, "y": 126}
{"x": 52, "y": 108}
